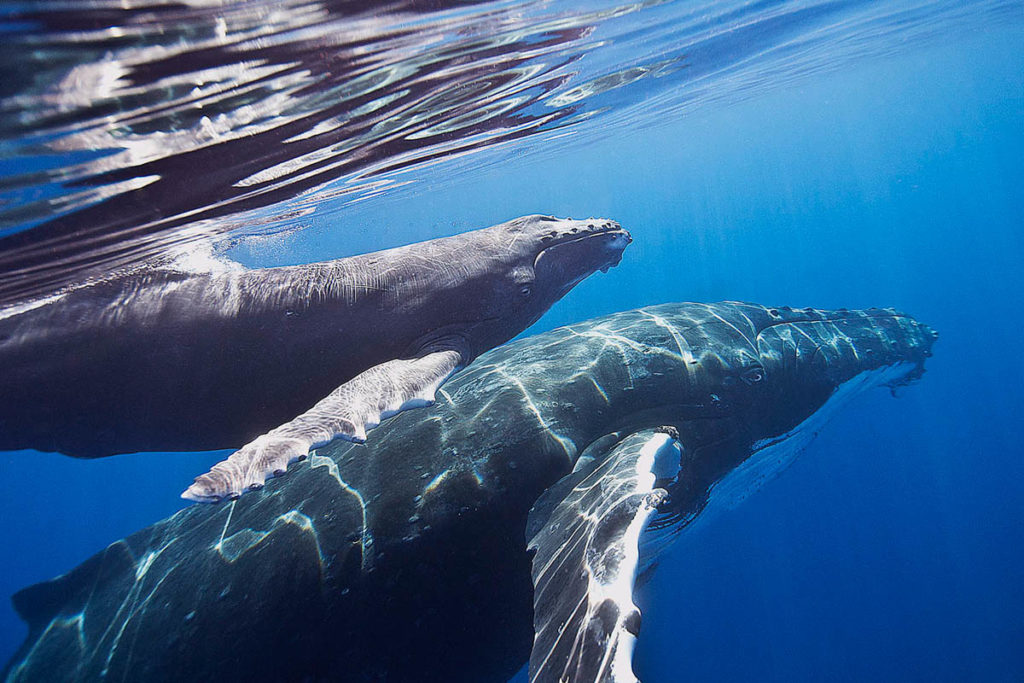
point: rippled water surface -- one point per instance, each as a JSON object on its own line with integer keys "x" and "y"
{"x": 128, "y": 129}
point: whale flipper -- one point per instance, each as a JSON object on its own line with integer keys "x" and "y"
{"x": 586, "y": 532}
{"x": 348, "y": 412}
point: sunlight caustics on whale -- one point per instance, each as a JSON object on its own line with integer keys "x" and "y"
{"x": 571, "y": 442}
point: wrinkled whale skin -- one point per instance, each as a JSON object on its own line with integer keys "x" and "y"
{"x": 164, "y": 360}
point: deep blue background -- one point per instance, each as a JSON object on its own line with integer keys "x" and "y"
{"x": 894, "y": 549}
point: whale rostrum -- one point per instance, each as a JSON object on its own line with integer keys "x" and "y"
{"x": 277, "y": 360}
{"x": 506, "y": 523}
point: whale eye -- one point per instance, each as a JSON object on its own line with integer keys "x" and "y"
{"x": 753, "y": 375}
{"x": 525, "y": 289}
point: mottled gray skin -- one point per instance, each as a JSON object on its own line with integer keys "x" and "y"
{"x": 405, "y": 559}
{"x": 170, "y": 361}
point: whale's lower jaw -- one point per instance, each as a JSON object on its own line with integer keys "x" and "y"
{"x": 769, "y": 458}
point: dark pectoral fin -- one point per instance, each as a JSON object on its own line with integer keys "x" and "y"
{"x": 587, "y": 554}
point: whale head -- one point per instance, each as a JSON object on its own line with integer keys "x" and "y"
{"x": 805, "y": 359}
{"x": 763, "y": 381}
{"x": 526, "y": 265}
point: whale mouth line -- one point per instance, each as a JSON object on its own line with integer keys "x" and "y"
{"x": 897, "y": 373}
{"x": 771, "y": 456}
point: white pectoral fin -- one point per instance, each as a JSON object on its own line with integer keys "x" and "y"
{"x": 386, "y": 390}
{"x": 586, "y": 532}
{"x": 348, "y": 412}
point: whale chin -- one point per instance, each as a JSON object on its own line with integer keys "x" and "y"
{"x": 771, "y": 456}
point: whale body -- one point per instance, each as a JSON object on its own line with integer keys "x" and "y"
{"x": 276, "y": 361}
{"x": 506, "y": 523}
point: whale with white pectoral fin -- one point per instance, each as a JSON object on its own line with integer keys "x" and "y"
{"x": 280, "y": 359}
{"x": 506, "y": 523}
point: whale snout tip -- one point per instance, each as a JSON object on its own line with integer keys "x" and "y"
{"x": 618, "y": 237}
{"x": 931, "y": 335}
{"x": 926, "y": 334}
{"x": 617, "y": 243}
{"x": 599, "y": 242}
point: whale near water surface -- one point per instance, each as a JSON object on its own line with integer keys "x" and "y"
{"x": 276, "y": 361}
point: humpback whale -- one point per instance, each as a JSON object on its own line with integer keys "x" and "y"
{"x": 278, "y": 359}
{"x": 506, "y": 523}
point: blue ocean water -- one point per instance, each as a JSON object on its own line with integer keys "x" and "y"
{"x": 894, "y": 548}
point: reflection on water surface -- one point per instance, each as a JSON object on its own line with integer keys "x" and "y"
{"x": 128, "y": 128}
